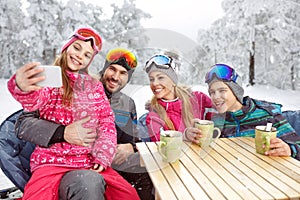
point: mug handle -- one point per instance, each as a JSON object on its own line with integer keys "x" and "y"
{"x": 215, "y": 139}
{"x": 160, "y": 146}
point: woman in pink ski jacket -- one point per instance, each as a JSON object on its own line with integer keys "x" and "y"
{"x": 173, "y": 107}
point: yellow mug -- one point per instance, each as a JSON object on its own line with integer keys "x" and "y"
{"x": 263, "y": 138}
{"x": 207, "y": 130}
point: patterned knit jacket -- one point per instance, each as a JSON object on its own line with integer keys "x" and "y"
{"x": 89, "y": 99}
{"x": 242, "y": 123}
{"x": 200, "y": 104}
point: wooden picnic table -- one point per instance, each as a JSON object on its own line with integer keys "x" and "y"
{"x": 230, "y": 170}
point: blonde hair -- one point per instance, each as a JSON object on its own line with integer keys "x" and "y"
{"x": 185, "y": 94}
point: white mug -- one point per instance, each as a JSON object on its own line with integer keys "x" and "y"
{"x": 170, "y": 145}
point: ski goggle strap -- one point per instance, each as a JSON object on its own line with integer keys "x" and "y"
{"x": 162, "y": 61}
{"x": 89, "y": 34}
{"x": 221, "y": 71}
{"x": 117, "y": 54}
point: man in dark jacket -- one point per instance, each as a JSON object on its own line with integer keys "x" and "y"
{"x": 116, "y": 73}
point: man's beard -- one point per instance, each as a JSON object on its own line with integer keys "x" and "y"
{"x": 110, "y": 93}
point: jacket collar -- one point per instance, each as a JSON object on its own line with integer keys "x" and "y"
{"x": 248, "y": 107}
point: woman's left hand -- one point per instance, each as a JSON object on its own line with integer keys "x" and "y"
{"x": 278, "y": 148}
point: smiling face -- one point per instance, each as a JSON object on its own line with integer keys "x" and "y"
{"x": 114, "y": 78}
{"x": 79, "y": 55}
{"x": 223, "y": 98}
{"x": 162, "y": 86}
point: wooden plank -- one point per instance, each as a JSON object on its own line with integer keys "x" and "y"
{"x": 290, "y": 167}
{"x": 201, "y": 179}
{"x": 247, "y": 177}
{"x": 190, "y": 183}
{"x": 252, "y": 171}
{"x": 278, "y": 163}
{"x": 221, "y": 169}
{"x": 250, "y": 142}
{"x": 170, "y": 175}
{"x": 162, "y": 188}
{"x": 284, "y": 183}
{"x": 223, "y": 187}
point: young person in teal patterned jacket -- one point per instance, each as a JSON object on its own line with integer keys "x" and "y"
{"x": 238, "y": 116}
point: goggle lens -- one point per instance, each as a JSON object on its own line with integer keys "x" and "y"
{"x": 161, "y": 61}
{"x": 116, "y": 54}
{"x": 221, "y": 71}
{"x": 86, "y": 34}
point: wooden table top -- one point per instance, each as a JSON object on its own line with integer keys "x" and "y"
{"x": 231, "y": 170}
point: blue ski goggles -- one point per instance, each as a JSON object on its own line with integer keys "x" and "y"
{"x": 221, "y": 71}
{"x": 162, "y": 61}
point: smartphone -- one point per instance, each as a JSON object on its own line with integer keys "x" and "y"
{"x": 52, "y": 74}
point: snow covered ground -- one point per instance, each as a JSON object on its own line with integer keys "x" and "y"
{"x": 141, "y": 93}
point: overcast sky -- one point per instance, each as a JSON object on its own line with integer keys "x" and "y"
{"x": 183, "y": 16}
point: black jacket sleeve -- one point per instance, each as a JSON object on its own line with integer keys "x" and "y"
{"x": 124, "y": 138}
{"x": 30, "y": 127}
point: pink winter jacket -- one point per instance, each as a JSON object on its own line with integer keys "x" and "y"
{"x": 200, "y": 102}
{"x": 89, "y": 99}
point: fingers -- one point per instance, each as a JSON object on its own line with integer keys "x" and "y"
{"x": 28, "y": 70}
{"x": 119, "y": 158}
{"x": 75, "y": 133}
{"x": 195, "y": 120}
{"x": 84, "y": 120}
{"x": 121, "y": 155}
{"x": 89, "y": 138}
{"x": 193, "y": 134}
{"x": 147, "y": 105}
{"x": 27, "y": 67}
{"x": 278, "y": 152}
{"x": 26, "y": 77}
{"x": 85, "y": 136}
{"x": 79, "y": 125}
{"x": 98, "y": 168}
{"x": 85, "y": 144}
{"x": 278, "y": 148}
